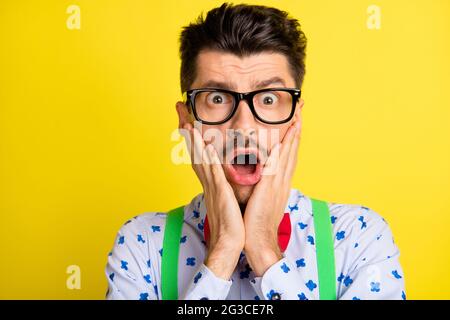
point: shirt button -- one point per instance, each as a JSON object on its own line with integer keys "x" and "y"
{"x": 275, "y": 296}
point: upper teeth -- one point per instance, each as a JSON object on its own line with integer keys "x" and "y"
{"x": 246, "y": 159}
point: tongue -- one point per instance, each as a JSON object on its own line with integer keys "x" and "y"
{"x": 245, "y": 168}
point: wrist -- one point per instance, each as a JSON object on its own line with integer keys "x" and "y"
{"x": 262, "y": 259}
{"x": 222, "y": 262}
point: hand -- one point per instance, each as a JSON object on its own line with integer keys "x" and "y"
{"x": 227, "y": 233}
{"x": 265, "y": 208}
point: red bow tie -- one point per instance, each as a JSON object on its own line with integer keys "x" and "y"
{"x": 284, "y": 231}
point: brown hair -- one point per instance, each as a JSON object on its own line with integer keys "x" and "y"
{"x": 242, "y": 30}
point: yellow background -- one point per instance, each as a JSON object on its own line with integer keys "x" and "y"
{"x": 86, "y": 118}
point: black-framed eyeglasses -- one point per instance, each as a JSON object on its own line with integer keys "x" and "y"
{"x": 215, "y": 106}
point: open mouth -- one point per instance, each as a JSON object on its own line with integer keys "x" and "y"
{"x": 245, "y": 167}
{"x": 245, "y": 163}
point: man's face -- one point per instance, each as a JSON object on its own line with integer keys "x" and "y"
{"x": 243, "y": 133}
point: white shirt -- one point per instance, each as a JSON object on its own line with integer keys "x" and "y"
{"x": 366, "y": 258}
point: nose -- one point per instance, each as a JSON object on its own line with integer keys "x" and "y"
{"x": 243, "y": 119}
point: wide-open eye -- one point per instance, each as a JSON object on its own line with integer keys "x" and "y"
{"x": 267, "y": 99}
{"x": 218, "y": 98}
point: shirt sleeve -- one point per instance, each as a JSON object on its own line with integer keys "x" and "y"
{"x": 282, "y": 278}
{"x": 129, "y": 269}
{"x": 375, "y": 272}
{"x": 205, "y": 285}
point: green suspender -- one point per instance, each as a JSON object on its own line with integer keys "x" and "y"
{"x": 324, "y": 250}
{"x": 171, "y": 249}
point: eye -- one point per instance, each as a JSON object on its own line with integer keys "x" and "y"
{"x": 218, "y": 98}
{"x": 268, "y": 98}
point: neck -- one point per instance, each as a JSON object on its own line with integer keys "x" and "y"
{"x": 242, "y": 206}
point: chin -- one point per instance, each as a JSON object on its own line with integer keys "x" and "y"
{"x": 242, "y": 193}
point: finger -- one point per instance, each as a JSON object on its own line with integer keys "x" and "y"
{"x": 289, "y": 136}
{"x": 185, "y": 131}
{"x": 280, "y": 151}
{"x": 271, "y": 165}
{"x": 196, "y": 146}
{"x": 205, "y": 161}
{"x": 199, "y": 146}
{"x": 287, "y": 143}
{"x": 189, "y": 140}
{"x": 215, "y": 166}
{"x": 210, "y": 162}
{"x": 293, "y": 155}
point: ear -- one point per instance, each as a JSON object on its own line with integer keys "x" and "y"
{"x": 184, "y": 115}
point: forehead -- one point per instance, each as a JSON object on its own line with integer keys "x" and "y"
{"x": 242, "y": 73}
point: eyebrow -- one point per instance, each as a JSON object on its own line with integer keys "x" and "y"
{"x": 231, "y": 86}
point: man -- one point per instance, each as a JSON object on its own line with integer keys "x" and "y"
{"x": 232, "y": 243}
